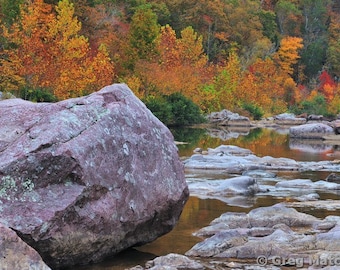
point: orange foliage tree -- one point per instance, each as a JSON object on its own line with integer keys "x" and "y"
{"x": 263, "y": 85}
{"x": 28, "y": 55}
{"x": 49, "y": 53}
{"x": 180, "y": 67}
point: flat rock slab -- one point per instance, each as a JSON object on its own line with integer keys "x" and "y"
{"x": 243, "y": 185}
{"x": 275, "y": 233}
{"x": 330, "y": 205}
{"x": 237, "y": 160}
{"x": 289, "y": 119}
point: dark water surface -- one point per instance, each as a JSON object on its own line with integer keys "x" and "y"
{"x": 198, "y": 213}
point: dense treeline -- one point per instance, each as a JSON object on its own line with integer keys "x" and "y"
{"x": 263, "y": 57}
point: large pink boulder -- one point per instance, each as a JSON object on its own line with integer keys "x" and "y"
{"x": 88, "y": 177}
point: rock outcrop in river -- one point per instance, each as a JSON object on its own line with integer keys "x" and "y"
{"x": 274, "y": 235}
{"x": 228, "y": 118}
{"x": 311, "y": 131}
{"x": 289, "y": 119}
{"x": 237, "y": 160}
{"x": 85, "y": 178}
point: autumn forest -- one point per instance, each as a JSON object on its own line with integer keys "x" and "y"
{"x": 260, "y": 57}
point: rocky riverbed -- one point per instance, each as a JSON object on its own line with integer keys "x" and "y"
{"x": 280, "y": 236}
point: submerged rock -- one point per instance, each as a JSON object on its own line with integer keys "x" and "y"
{"x": 88, "y": 177}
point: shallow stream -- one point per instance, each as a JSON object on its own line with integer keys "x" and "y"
{"x": 198, "y": 213}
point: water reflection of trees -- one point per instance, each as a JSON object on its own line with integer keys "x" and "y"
{"x": 261, "y": 141}
{"x": 190, "y": 136}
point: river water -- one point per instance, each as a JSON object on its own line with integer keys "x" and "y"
{"x": 198, "y": 213}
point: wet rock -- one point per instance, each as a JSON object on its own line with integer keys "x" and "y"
{"x": 279, "y": 236}
{"x": 88, "y": 177}
{"x": 308, "y": 184}
{"x": 262, "y": 219}
{"x": 308, "y": 197}
{"x": 16, "y": 254}
{"x": 311, "y": 131}
{"x": 289, "y": 119}
{"x": 207, "y": 176}
{"x": 325, "y": 225}
{"x": 259, "y": 174}
{"x": 218, "y": 243}
{"x": 228, "y": 150}
{"x": 244, "y": 185}
{"x": 237, "y": 160}
{"x": 228, "y": 118}
{"x": 330, "y": 205}
{"x": 279, "y": 214}
{"x": 233, "y": 220}
{"x": 296, "y": 183}
{"x": 276, "y": 244}
{"x": 173, "y": 261}
{"x": 329, "y": 240}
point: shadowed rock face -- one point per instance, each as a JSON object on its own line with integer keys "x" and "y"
{"x": 85, "y": 178}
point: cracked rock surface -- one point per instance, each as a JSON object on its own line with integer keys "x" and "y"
{"x": 87, "y": 177}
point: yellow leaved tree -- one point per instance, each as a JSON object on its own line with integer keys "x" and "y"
{"x": 288, "y": 54}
